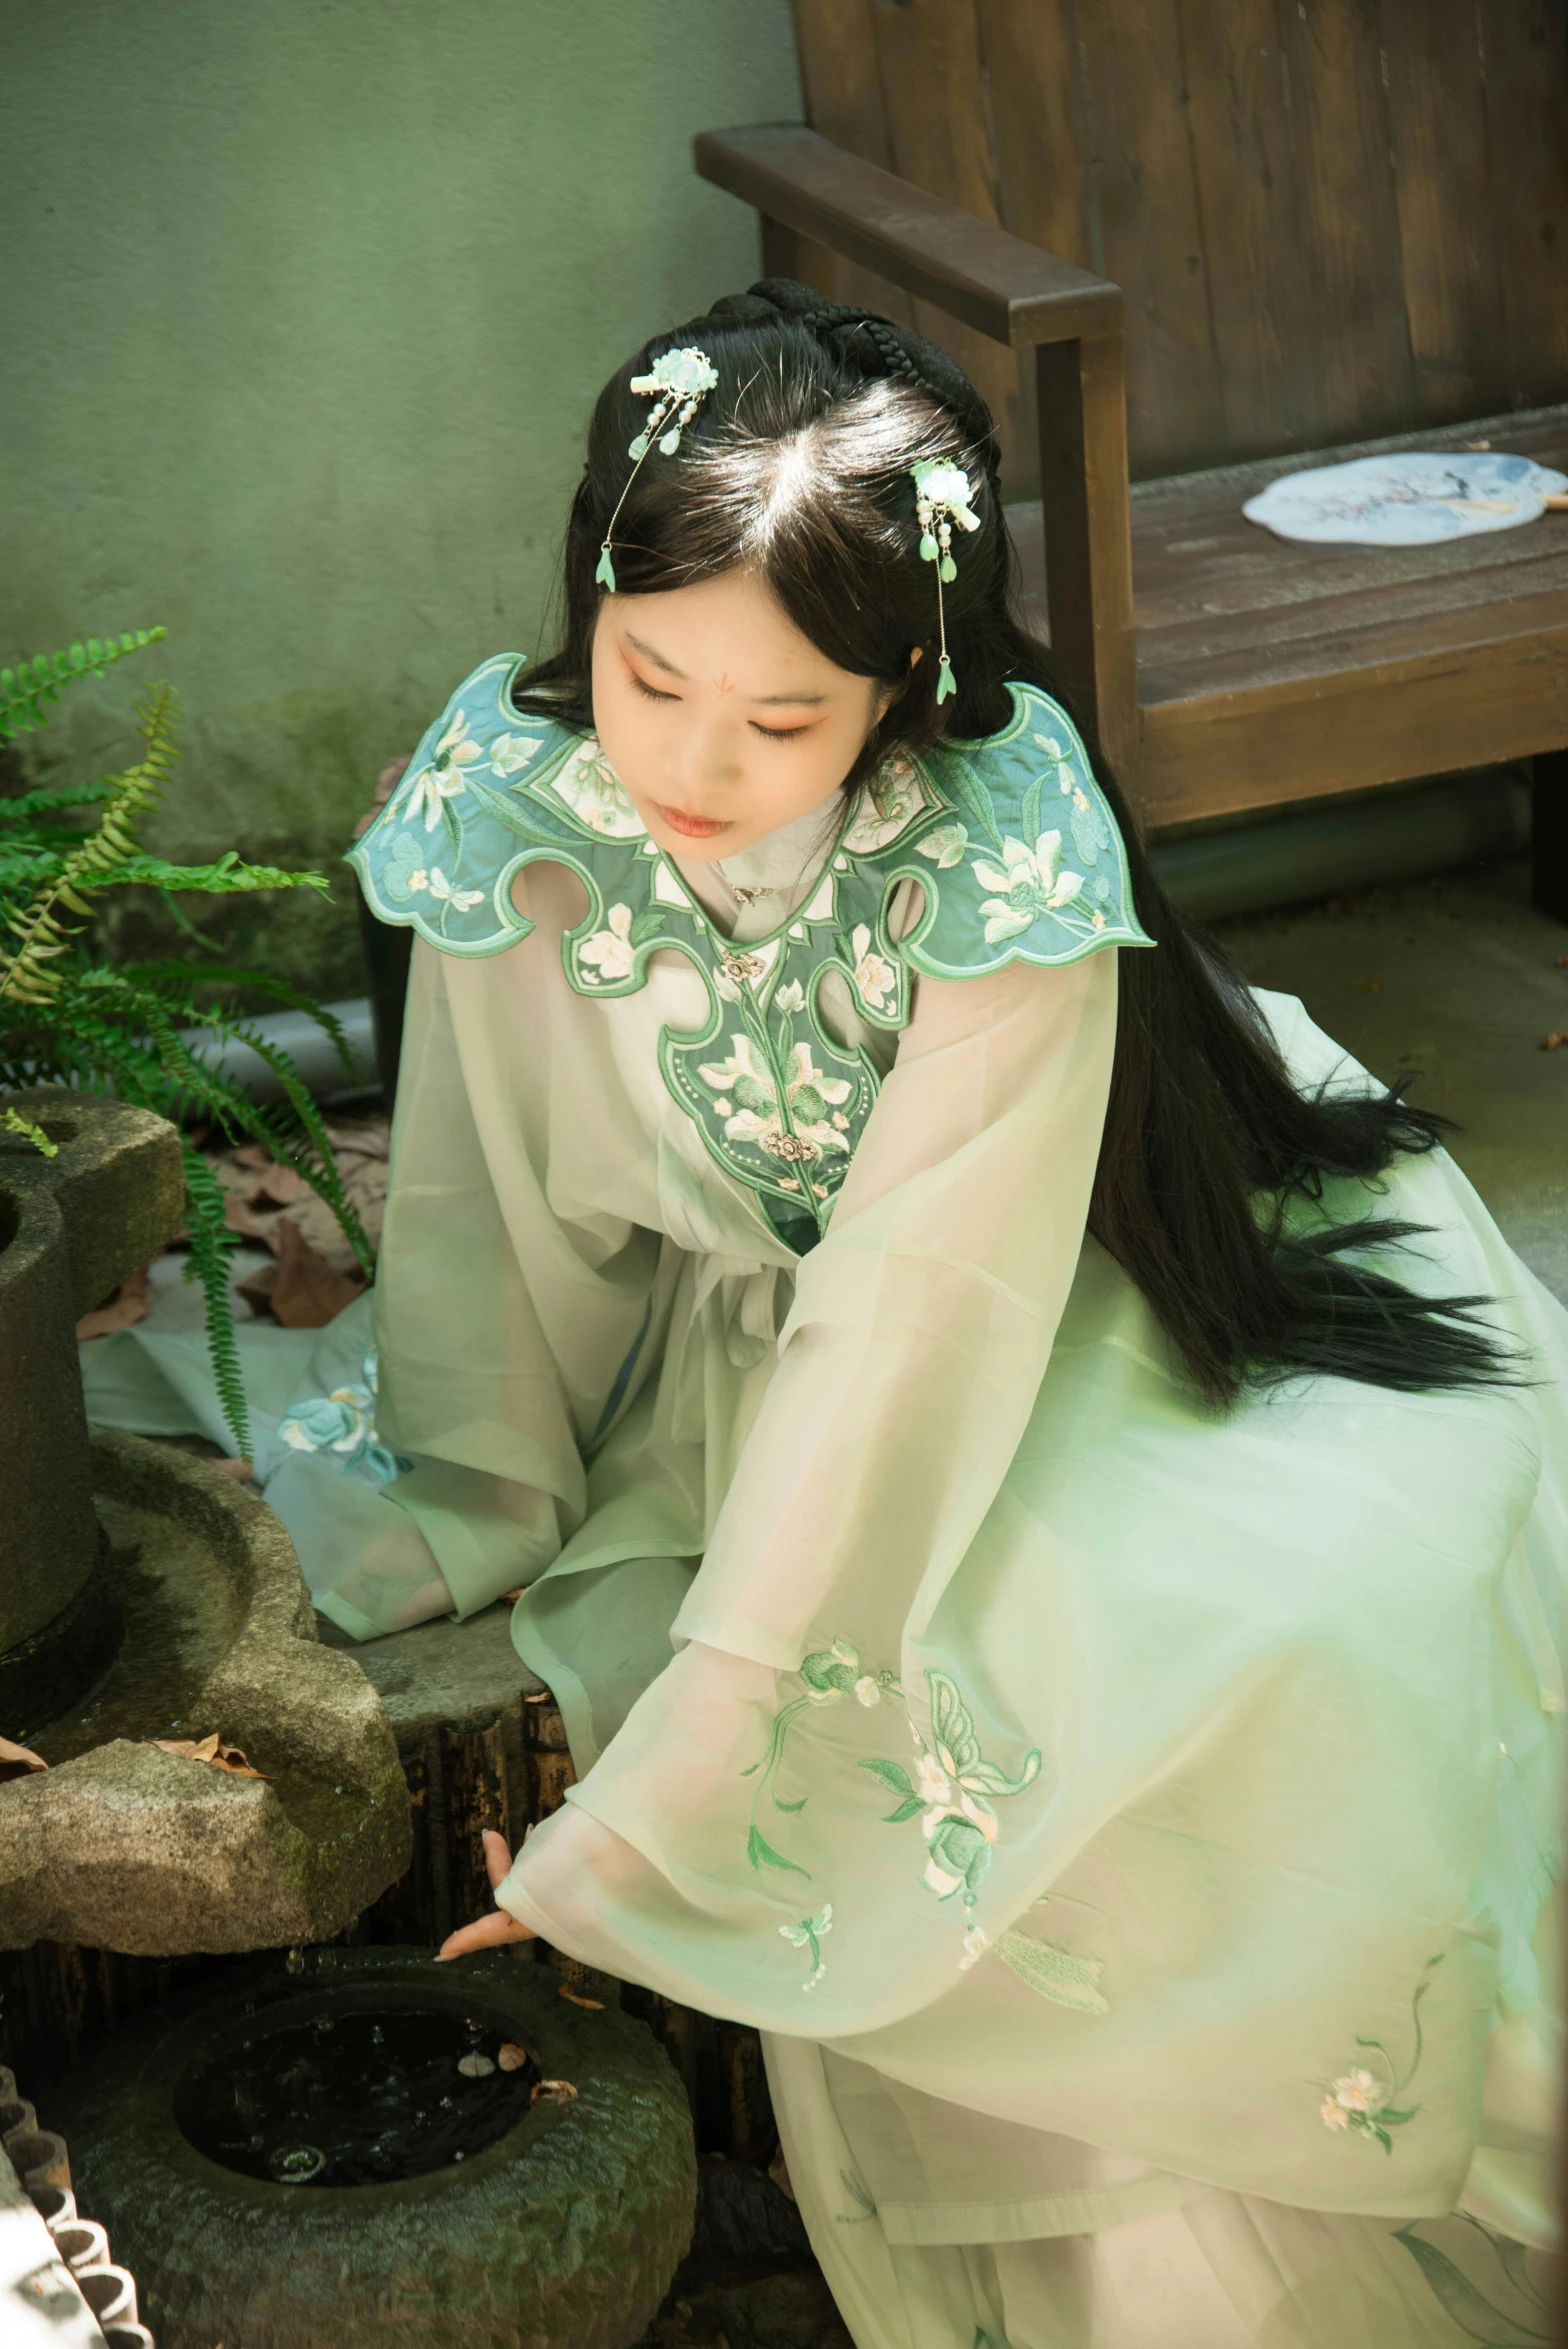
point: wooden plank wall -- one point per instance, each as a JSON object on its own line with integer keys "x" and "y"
{"x": 1331, "y": 218}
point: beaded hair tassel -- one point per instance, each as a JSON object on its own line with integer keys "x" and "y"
{"x": 942, "y": 494}
{"x": 677, "y": 383}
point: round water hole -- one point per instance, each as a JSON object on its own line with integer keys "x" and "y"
{"x": 324, "y": 2092}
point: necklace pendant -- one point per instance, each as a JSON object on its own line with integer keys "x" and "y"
{"x": 746, "y": 897}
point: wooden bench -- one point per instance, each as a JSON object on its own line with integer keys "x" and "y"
{"x": 1225, "y": 670}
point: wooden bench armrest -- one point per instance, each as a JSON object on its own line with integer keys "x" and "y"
{"x": 1008, "y": 289}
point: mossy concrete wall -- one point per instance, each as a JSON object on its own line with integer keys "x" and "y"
{"x": 308, "y": 302}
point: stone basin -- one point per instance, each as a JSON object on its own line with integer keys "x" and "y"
{"x": 124, "y": 1847}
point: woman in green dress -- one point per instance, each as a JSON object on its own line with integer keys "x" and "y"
{"x": 1041, "y": 1490}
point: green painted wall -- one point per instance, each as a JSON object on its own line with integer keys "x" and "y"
{"x": 308, "y": 301}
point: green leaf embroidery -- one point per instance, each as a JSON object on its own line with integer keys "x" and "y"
{"x": 1055, "y": 1973}
{"x": 972, "y": 796}
{"x": 856, "y": 2193}
{"x": 893, "y": 1776}
{"x": 646, "y": 925}
{"x": 454, "y": 826}
{"x": 513, "y": 813}
{"x": 762, "y": 1855}
{"x": 1031, "y": 812}
{"x": 1470, "y": 2309}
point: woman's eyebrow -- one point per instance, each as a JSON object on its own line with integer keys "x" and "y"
{"x": 764, "y": 700}
{"x": 657, "y": 658}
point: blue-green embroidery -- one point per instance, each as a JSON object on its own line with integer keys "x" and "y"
{"x": 808, "y": 1934}
{"x": 1358, "y": 2100}
{"x": 779, "y": 1103}
{"x": 952, "y": 1788}
{"x": 343, "y": 1425}
{"x": 1056, "y": 1974}
{"x": 857, "y": 2193}
{"x": 1484, "y": 2282}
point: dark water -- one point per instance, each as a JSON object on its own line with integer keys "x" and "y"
{"x": 352, "y": 2094}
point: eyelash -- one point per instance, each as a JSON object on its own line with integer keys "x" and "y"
{"x": 768, "y": 733}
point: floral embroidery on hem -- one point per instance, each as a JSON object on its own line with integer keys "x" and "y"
{"x": 1358, "y": 2100}
{"x": 951, "y": 1789}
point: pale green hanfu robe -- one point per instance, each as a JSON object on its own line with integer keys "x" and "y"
{"x": 1129, "y": 1827}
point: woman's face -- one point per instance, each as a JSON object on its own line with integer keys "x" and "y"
{"x": 719, "y": 717}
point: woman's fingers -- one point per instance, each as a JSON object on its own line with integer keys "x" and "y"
{"x": 489, "y": 1932}
{"x": 485, "y": 1933}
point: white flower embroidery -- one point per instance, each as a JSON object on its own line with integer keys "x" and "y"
{"x": 867, "y": 1690}
{"x": 594, "y": 792}
{"x": 1053, "y": 750}
{"x": 443, "y": 778}
{"x": 460, "y": 900}
{"x": 791, "y": 997}
{"x": 1028, "y": 883}
{"x": 810, "y": 1096}
{"x": 975, "y": 1947}
{"x": 1359, "y": 2092}
{"x": 610, "y": 952}
{"x": 945, "y": 846}
{"x": 511, "y": 754}
{"x": 875, "y": 977}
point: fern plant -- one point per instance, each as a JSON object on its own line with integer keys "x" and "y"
{"x": 68, "y": 1017}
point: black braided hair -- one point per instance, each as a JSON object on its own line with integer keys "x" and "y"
{"x": 852, "y": 336}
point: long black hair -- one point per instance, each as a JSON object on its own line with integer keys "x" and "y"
{"x": 1211, "y": 1184}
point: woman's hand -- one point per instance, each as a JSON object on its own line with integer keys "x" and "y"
{"x": 489, "y": 1932}
{"x": 387, "y": 782}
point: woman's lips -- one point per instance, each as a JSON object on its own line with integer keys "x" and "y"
{"x": 694, "y": 827}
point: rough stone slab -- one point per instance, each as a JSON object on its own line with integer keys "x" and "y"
{"x": 460, "y": 1675}
{"x": 123, "y": 1847}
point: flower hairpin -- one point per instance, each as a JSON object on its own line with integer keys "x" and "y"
{"x": 942, "y": 494}
{"x": 677, "y": 382}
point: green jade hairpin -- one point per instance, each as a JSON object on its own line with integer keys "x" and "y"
{"x": 942, "y": 494}
{"x": 677, "y": 382}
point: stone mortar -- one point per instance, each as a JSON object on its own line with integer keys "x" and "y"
{"x": 564, "y": 2234}
{"x": 123, "y": 1847}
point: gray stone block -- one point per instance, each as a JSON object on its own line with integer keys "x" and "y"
{"x": 128, "y": 1848}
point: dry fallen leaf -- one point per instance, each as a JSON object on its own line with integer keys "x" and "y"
{"x": 19, "y": 1761}
{"x": 127, "y": 1306}
{"x": 277, "y": 1186}
{"x": 510, "y": 2056}
{"x": 207, "y": 1749}
{"x": 307, "y": 1291}
{"x": 595, "y": 2006}
{"x": 1561, "y": 964}
{"x": 1555, "y": 1041}
{"x": 475, "y": 2066}
{"x": 554, "y": 2092}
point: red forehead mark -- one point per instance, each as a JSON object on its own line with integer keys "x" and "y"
{"x": 722, "y": 684}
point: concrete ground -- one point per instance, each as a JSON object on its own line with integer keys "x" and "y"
{"x": 1459, "y": 980}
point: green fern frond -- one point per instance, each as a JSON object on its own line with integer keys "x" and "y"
{"x": 212, "y": 1243}
{"x": 95, "y": 864}
{"x": 15, "y": 1123}
{"x": 228, "y": 873}
{"x": 278, "y": 991}
{"x": 29, "y": 805}
{"x": 25, "y": 689}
